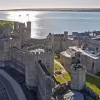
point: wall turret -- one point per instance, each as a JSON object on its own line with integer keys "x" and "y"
{"x": 16, "y": 26}
{"x": 49, "y": 61}
{"x": 7, "y": 31}
{"x": 50, "y": 41}
{"x": 65, "y": 35}
{"x": 21, "y": 27}
{"x": 28, "y": 31}
{"x": 78, "y": 75}
{"x": 49, "y": 53}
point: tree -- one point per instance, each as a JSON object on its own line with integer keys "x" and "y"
{"x": 4, "y": 24}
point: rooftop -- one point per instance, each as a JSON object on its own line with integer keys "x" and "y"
{"x": 71, "y": 51}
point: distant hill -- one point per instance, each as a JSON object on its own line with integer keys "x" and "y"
{"x": 58, "y": 9}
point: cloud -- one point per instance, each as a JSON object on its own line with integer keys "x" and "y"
{"x": 4, "y": 4}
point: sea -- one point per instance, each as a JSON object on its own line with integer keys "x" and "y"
{"x": 55, "y": 22}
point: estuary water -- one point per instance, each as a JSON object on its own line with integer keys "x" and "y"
{"x": 44, "y": 22}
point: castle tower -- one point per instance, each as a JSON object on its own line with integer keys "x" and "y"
{"x": 78, "y": 75}
{"x": 65, "y": 35}
{"x": 50, "y": 41}
{"x": 28, "y": 31}
{"x": 16, "y": 26}
{"x": 49, "y": 54}
{"x": 16, "y": 32}
{"x": 7, "y": 32}
{"x": 21, "y": 27}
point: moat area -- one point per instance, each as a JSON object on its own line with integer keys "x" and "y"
{"x": 55, "y": 22}
{"x": 10, "y": 92}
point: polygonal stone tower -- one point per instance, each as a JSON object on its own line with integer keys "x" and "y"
{"x": 78, "y": 75}
{"x": 49, "y": 54}
{"x": 65, "y": 35}
{"x": 28, "y": 31}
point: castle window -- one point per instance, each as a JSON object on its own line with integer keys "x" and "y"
{"x": 93, "y": 65}
{"x": 40, "y": 61}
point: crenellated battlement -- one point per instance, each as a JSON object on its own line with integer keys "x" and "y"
{"x": 93, "y": 41}
{"x": 61, "y": 35}
{"x": 23, "y": 31}
{"x": 78, "y": 75}
{"x": 79, "y": 68}
{"x": 18, "y": 26}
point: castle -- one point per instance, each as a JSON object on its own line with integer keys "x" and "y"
{"x": 35, "y": 58}
{"x": 36, "y": 62}
{"x": 76, "y": 89}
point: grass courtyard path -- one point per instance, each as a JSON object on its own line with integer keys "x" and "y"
{"x": 92, "y": 80}
{"x": 63, "y": 70}
{"x": 64, "y": 77}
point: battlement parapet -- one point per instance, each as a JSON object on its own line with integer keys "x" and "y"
{"x": 26, "y": 53}
{"x": 92, "y": 41}
{"x": 18, "y": 26}
{"x": 33, "y": 47}
{"x": 79, "y": 68}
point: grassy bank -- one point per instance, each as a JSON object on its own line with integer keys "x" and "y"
{"x": 57, "y": 58}
{"x": 93, "y": 83}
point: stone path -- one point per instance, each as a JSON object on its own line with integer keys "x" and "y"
{"x": 13, "y": 88}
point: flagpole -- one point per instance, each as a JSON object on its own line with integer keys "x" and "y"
{"x": 28, "y": 16}
{"x": 20, "y": 18}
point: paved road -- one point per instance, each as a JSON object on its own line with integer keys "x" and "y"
{"x": 10, "y": 90}
{"x": 12, "y": 87}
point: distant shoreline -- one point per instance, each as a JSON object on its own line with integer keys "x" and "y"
{"x": 58, "y": 9}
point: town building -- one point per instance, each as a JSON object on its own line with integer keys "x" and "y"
{"x": 76, "y": 89}
{"x": 90, "y": 59}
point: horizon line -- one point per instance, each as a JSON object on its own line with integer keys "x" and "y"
{"x": 54, "y": 9}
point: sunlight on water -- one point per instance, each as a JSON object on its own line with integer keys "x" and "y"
{"x": 24, "y": 16}
{"x": 55, "y": 22}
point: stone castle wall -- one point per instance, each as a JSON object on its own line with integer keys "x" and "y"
{"x": 78, "y": 74}
{"x": 92, "y": 44}
{"x": 91, "y": 63}
{"x": 32, "y": 68}
{"x": 44, "y": 84}
{"x": 22, "y": 31}
{"x": 61, "y": 42}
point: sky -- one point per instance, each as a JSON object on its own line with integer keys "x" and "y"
{"x": 15, "y": 4}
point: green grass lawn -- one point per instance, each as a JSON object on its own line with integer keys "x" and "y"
{"x": 93, "y": 83}
{"x": 57, "y": 67}
{"x": 67, "y": 77}
{"x": 98, "y": 74}
{"x": 59, "y": 79}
